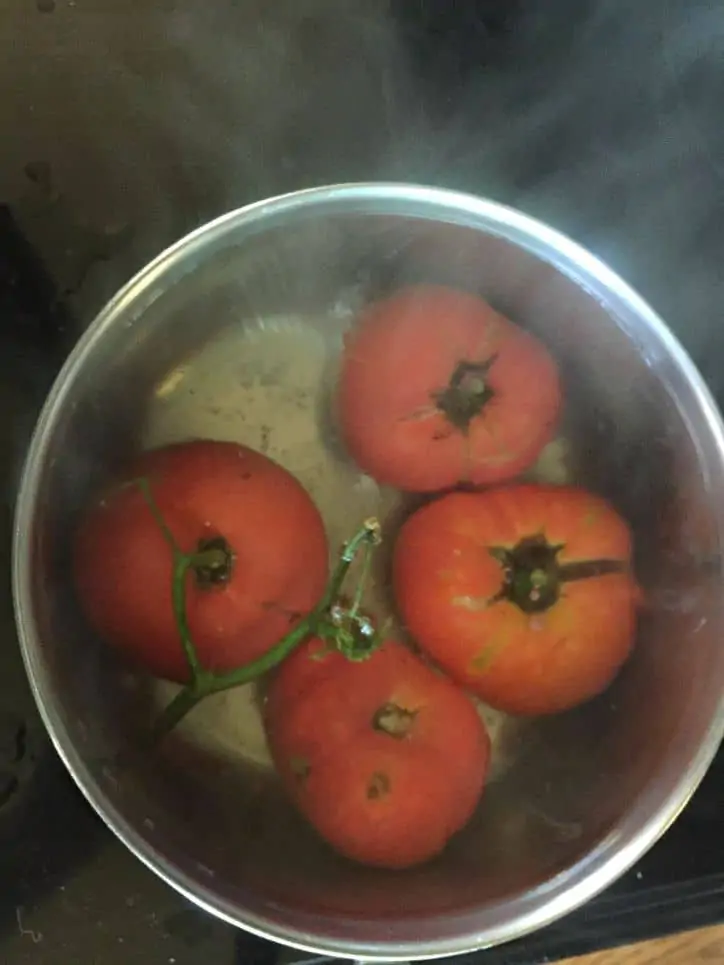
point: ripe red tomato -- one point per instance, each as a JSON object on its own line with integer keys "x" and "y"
{"x": 437, "y": 388}
{"x": 385, "y": 758}
{"x": 524, "y": 594}
{"x": 209, "y": 494}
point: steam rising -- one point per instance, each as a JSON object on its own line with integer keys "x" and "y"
{"x": 600, "y": 116}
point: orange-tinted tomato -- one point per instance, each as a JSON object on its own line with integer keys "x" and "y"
{"x": 524, "y": 594}
{"x": 437, "y": 388}
{"x": 385, "y": 757}
{"x": 205, "y": 492}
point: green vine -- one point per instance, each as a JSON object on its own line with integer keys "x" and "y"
{"x": 342, "y": 628}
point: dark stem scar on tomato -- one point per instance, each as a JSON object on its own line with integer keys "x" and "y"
{"x": 533, "y": 576}
{"x": 378, "y": 786}
{"x": 213, "y": 562}
{"x": 393, "y": 720}
{"x": 466, "y": 394}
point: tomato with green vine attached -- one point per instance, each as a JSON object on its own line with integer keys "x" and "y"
{"x": 385, "y": 757}
{"x": 202, "y": 553}
{"x": 437, "y": 388}
{"x": 525, "y": 594}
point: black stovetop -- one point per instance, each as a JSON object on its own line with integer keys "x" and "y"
{"x": 633, "y": 170}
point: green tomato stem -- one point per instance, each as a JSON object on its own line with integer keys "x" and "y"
{"x": 361, "y": 583}
{"x": 257, "y": 668}
{"x": 204, "y": 682}
{"x": 367, "y": 535}
{"x": 145, "y": 486}
{"x": 181, "y": 565}
{"x": 174, "y": 712}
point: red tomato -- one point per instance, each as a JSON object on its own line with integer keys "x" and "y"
{"x": 385, "y": 758}
{"x": 524, "y": 594}
{"x": 209, "y": 493}
{"x": 437, "y": 388}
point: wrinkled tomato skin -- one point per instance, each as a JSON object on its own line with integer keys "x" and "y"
{"x": 445, "y": 578}
{"x": 382, "y": 800}
{"x": 123, "y": 565}
{"x": 403, "y": 351}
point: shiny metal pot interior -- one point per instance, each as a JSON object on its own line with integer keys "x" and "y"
{"x": 234, "y": 333}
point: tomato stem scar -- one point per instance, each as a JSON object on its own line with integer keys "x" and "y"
{"x": 347, "y": 631}
{"x": 393, "y": 720}
{"x": 466, "y": 394}
{"x": 213, "y": 562}
{"x": 378, "y": 786}
{"x": 533, "y": 576}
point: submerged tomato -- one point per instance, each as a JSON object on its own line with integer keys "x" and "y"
{"x": 437, "y": 388}
{"x": 384, "y": 757}
{"x": 524, "y": 594}
{"x": 273, "y": 562}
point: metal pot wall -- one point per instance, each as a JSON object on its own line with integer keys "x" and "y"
{"x": 573, "y": 800}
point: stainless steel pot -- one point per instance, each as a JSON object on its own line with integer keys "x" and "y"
{"x": 234, "y": 331}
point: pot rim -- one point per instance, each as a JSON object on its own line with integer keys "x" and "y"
{"x": 642, "y": 825}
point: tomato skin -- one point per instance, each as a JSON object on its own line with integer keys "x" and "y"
{"x": 203, "y": 489}
{"x": 382, "y": 800}
{"x": 403, "y": 351}
{"x": 524, "y": 663}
